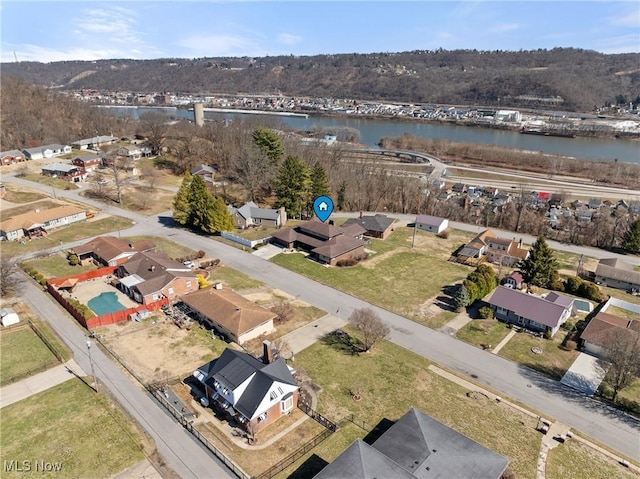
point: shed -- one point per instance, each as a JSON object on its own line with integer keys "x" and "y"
{"x": 9, "y": 317}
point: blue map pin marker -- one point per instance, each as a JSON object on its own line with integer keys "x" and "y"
{"x": 323, "y": 207}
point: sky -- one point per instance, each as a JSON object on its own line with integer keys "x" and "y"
{"x": 48, "y": 31}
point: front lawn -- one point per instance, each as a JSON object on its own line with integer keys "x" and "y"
{"x": 72, "y": 425}
{"x": 553, "y": 361}
{"x": 21, "y": 194}
{"x": 576, "y": 461}
{"x": 233, "y": 278}
{"x": 49, "y": 180}
{"x": 483, "y": 332}
{"x": 401, "y": 281}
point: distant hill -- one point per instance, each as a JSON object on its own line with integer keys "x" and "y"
{"x": 562, "y": 78}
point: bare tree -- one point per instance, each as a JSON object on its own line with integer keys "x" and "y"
{"x": 8, "y": 276}
{"x": 622, "y": 352}
{"x": 370, "y": 326}
{"x": 284, "y": 311}
{"x": 151, "y": 175}
{"x": 283, "y": 348}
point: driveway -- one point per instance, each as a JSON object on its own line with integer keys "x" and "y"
{"x": 585, "y": 374}
{"x": 267, "y": 251}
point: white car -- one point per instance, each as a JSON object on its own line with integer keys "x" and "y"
{"x": 189, "y": 264}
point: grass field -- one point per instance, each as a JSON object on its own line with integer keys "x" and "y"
{"x": 48, "y": 180}
{"x": 21, "y": 351}
{"x": 71, "y": 425}
{"x": 575, "y": 461}
{"x": 394, "y": 380}
{"x": 21, "y": 194}
{"x": 57, "y": 266}
{"x": 483, "y": 331}
{"x": 233, "y": 278}
{"x": 553, "y": 361}
{"x": 396, "y": 277}
{"x": 74, "y": 232}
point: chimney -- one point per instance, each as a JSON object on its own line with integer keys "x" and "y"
{"x": 267, "y": 355}
{"x": 520, "y": 243}
{"x": 131, "y": 245}
{"x": 153, "y": 267}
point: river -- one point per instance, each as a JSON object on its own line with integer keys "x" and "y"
{"x": 372, "y": 130}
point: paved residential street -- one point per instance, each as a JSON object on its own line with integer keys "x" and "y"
{"x": 178, "y": 448}
{"x": 605, "y": 424}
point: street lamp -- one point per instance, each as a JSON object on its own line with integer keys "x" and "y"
{"x": 95, "y": 380}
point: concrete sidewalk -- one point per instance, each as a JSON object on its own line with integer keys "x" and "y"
{"x": 40, "y": 382}
{"x": 307, "y": 335}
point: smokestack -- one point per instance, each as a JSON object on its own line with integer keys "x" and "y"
{"x": 267, "y": 354}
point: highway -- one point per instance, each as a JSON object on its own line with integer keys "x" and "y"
{"x": 607, "y": 425}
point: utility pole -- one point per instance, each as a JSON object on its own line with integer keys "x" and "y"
{"x": 95, "y": 380}
{"x": 413, "y": 241}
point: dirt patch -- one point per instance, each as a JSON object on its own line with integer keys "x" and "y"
{"x": 161, "y": 350}
{"x": 372, "y": 261}
{"x": 266, "y": 297}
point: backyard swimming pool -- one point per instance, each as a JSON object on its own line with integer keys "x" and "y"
{"x": 105, "y": 303}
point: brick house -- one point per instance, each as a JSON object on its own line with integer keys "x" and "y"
{"x": 12, "y": 156}
{"x": 603, "y": 328}
{"x": 88, "y": 162}
{"x": 147, "y": 277}
{"x": 326, "y": 243}
{"x": 253, "y": 392}
{"x": 65, "y": 171}
{"x": 376, "y": 226}
{"x": 111, "y": 251}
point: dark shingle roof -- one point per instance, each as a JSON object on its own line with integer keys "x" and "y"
{"x": 361, "y": 461}
{"x": 378, "y": 223}
{"x": 233, "y": 368}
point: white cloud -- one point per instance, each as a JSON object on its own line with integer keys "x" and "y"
{"x": 504, "y": 27}
{"x": 221, "y": 45}
{"x": 36, "y": 53}
{"x": 289, "y": 39}
{"x": 628, "y": 19}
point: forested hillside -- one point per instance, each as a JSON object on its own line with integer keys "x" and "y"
{"x": 563, "y": 78}
{"x": 33, "y": 115}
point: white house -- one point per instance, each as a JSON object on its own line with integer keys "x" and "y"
{"x": 432, "y": 223}
{"x": 9, "y": 317}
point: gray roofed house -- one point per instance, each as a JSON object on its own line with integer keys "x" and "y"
{"x": 251, "y": 214}
{"x": 617, "y": 273}
{"x": 376, "y": 226}
{"x": 46, "y": 151}
{"x": 11, "y": 156}
{"x": 417, "y": 446}
{"x": 254, "y": 391}
{"x": 431, "y": 223}
{"x": 530, "y": 311}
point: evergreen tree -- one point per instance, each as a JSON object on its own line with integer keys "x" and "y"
{"x": 223, "y": 221}
{"x": 319, "y": 181}
{"x": 342, "y": 195}
{"x": 290, "y": 185}
{"x": 461, "y": 299}
{"x": 200, "y": 202}
{"x": 268, "y": 143}
{"x": 541, "y": 267}
{"x": 181, "y": 206}
{"x": 631, "y": 240}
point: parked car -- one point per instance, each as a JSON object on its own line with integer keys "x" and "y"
{"x": 189, "y": 264}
